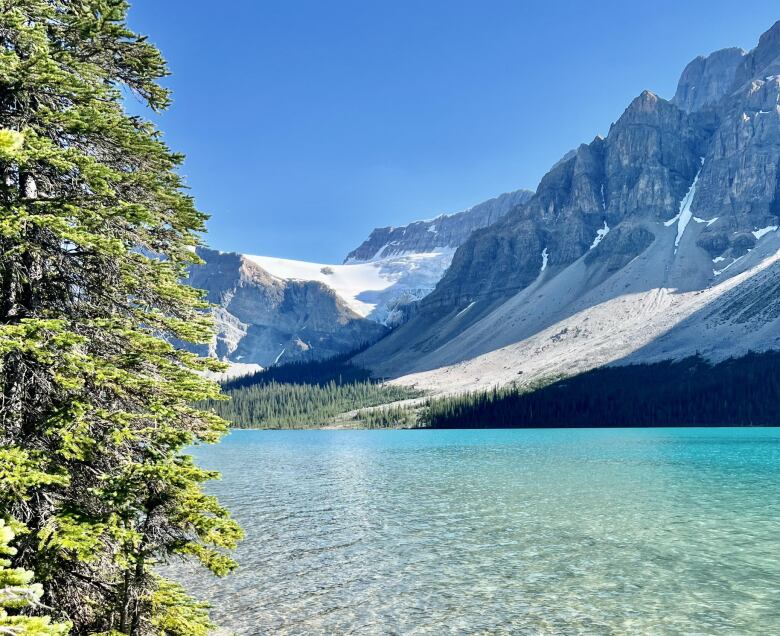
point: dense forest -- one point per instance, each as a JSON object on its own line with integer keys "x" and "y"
{"x": 311, "y": 394}
{"x": 298, "y": 405}
{"x": 691, "y": 392}
{"x": 336, "y": 369}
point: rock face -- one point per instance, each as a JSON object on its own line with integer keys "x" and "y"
{"x": 707, "y": 80}
{"x": 262, "y": 319}
{"x": 680, "y": 194}
{"x": 445, "y": 231}
{"x": 639, "y": 172}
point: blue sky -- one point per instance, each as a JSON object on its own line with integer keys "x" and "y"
{"x": 307, "y": 123}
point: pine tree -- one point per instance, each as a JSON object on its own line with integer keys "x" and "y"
{"x": 96, "y": 234}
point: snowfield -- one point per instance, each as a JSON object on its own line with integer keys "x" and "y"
{"x": 371, "y": 289}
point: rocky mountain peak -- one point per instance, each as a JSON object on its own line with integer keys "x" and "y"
{"x": 769, "y": 43}
{"x": 762, "y": 61}
{"x": 646, "y": 102}
{"x": 647, "y": 108}
{"x": 694, "y": 181}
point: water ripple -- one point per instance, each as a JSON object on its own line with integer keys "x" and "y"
{"x": 500, "y": 532}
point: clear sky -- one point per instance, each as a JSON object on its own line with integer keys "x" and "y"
{"x": 306, "y": 123}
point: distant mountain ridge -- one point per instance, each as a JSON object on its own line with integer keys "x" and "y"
{"x": 262, "y": 319}
{"x": 445, "y": 231}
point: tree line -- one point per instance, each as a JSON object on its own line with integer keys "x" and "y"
{"x": 296, "y": 405}
{"x": 743, "y": 391}
{"x": 338, "y": 369}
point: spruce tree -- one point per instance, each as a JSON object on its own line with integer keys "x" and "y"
{"x": 96, "y": 234}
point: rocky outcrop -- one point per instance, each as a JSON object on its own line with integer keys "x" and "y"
{"x": 763, "y": 61}
{"x": 707, "y": 80}
{"x": 263, "y": 319}
{"x": 445, "y": 231}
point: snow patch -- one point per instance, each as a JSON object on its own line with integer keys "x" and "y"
{"x": 765, "y": 230}
{"x": 281, "y": 353}
{"x": 685, "y": 215}
{"x": 718, "y": 272}
{"x": 234, "y": 370}
{"x": 348, "y": 281}
{"x": 600, "y": 234}
{"x": 545, "y": 256}
{"x": 466, "y": 308}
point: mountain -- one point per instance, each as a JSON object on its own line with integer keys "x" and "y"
{"x": 380, "y": 290}
{"x": 658, "y": 241}
{"x": 271, "y": 310}
{"x": 445, "y": 231}
{"x": 262, "y": 319}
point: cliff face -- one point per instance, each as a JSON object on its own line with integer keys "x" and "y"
{"x": 640, "y": 172}
{"x": 681, "y": 193}
{"x": 707, "y": 80}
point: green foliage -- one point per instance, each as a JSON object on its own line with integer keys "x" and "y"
{"x": 337, "y": 369}
{"x": 96, "y": 234}
{"x": 18, "y": 592}
{"x": 176, "y": 614}
{"x": 276, "y": 405}
{"x": 389, "y": 417}
{"x": 11, "y": 143}
{"x": 311, "y": 394}
{"x": 691, "y": 392}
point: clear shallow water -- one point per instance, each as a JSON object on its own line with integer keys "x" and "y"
{"x": 656, "y": 531}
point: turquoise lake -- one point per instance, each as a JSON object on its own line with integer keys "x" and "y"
{"x": 621, "y": 531}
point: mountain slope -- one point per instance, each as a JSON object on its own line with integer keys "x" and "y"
{"x": 644, "y": 244}
{"x": 379, "y": 290}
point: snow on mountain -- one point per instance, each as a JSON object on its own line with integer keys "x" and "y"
{"x": 262, "y": 319}
{"x": 372, "y": 289}
{"x": 433, "y": 235}
{"x": 270, "y": 310}
{"x": 650, "y": 310}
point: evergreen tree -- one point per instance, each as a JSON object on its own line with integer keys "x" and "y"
{"x": 17, "y": 592}
{"x": 95, "y": 404}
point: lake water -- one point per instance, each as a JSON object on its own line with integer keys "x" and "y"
{"x": 655, "y": 531}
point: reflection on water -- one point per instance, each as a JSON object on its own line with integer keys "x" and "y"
{"x": 522, "y": 532}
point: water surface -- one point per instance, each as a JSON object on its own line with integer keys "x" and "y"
{"x": 630, "y": 531}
